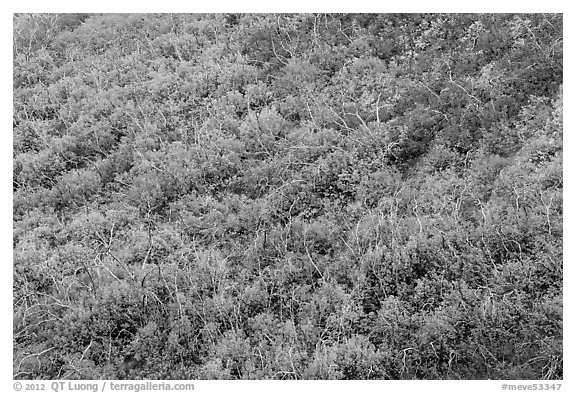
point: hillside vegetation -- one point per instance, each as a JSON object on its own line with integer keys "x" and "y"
{"x": 287, "y": 196}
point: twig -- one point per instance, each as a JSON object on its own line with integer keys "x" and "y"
{"x": 31, "y": 355}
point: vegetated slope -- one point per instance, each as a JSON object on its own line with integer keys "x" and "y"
{"x": 288, "y": 196}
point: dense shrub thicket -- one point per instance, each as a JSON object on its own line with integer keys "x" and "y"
{"x": 287, "y": 196}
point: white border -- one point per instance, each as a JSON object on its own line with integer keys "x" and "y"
{"x": 295, "y": 6}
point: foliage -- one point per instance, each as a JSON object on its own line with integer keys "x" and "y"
{"x": 288, "y": 196}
